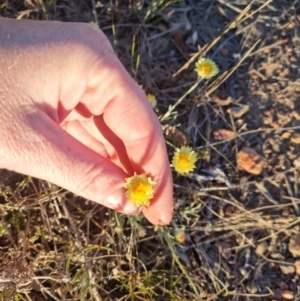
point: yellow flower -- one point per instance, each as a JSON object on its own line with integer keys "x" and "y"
{"x": 206, "y": 68}
{"x": 152, "y": 100}
{"x": 139, "y": 190}
{"x": 184, "y": 160}
{"x": 180, "y": 236}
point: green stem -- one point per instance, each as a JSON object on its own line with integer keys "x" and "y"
{"x": 167, "y": 239}
{"x": 171, "y": 108}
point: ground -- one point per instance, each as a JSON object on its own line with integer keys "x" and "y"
{"x": 235, "y": 232}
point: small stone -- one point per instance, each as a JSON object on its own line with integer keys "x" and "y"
{"x": 225, "y": 51}
{"x": 287, "y": 269}
{"x": 291, "y": 25}
{"x": 249, "y": 160}
{"x": 238, "y": 112}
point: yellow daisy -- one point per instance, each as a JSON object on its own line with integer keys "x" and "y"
{"x": 152, "y": 100}
{"x": 139, "y": 190}
{"x": 184, "y": 160}
{"x": 206, "y": 68}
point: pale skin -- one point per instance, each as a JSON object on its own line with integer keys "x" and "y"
{"x": 72, "y": 115}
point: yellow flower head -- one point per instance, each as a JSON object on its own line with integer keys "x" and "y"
{"x": 180, "y": 236}
{"x": 206, "y": 68}
{"x": 152, "y": 100}
{"x": 184, "y": 160}
{"x": 139, "y": 190}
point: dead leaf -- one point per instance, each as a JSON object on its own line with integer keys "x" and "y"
{"x": 223, "y": 134}
{"x": 261, "y": 248}
{"x": 295, "y": 138}
{"x": 225, "y": 249}
{"x": 296, "y": 162}
{"x": 297, "y": 266}
{"x": 296, "y": 115}
{"x": 222, "y": 99}
{"x": 175, "y": 135}
{"x": 287, "y": 269}
{"x": 238, "y": 112}
{"x": 249, "y": 160}
{"x": 287, "y": 295}
{"x": 286, "y": 135}
{"x": 282, "y": 285}
{"x": 180, "y": 43}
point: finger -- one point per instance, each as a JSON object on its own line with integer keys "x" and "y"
{"x": 76, "y": 129}
{"x": 128, "y": 114}
{"x": 96, "y": 132}
{"x": 114, "y": 144}
{"x": 52, "y": 154}
{"x": 141, "y": 134}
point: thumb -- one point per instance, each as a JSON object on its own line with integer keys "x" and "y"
{"x": 42, "y": 149}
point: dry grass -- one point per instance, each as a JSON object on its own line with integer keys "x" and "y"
{"x": 241, "y": 231}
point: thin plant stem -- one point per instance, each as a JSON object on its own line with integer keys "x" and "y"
{"x": 171, "y": 108}
{"x": 167, "y": 239}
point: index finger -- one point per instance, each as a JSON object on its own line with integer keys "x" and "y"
{"x": 132, "y": 119}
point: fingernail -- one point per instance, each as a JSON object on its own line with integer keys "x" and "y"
{"x": 164, "y": 220}
{"x": 130, "y": 209}
{"x": 117, "y": 201}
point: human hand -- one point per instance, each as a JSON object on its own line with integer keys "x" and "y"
{"x": 71, "y": 114}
